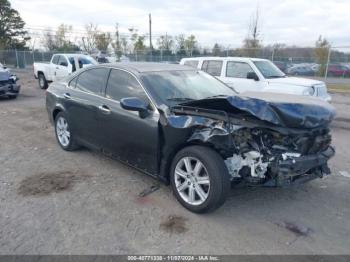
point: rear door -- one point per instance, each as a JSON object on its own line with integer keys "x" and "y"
{"x": 125, "y": 134}
{"x": 83, "y": 99}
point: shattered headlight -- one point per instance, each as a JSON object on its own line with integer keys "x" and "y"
{"x": 310, "y": 91}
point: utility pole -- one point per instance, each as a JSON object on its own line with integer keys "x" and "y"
{"x": 150, "y": 33}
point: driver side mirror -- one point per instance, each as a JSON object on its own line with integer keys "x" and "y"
{"x": 252, "y": 75}
{"x": 63, "y": 64}
{"x": 135, "y": 104}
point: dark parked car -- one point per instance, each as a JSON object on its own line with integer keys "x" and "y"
{"x": 8, "y": 86}
{"x": 188, "y": 129}
{"x": 281, "y": 65}
{"x": 301, "y": 71}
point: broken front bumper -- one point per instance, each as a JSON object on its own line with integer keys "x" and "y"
{"x": 297, "y": 170}
{"x": 9, "y": 89}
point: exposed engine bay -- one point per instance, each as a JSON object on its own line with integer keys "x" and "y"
{"x": 262, "y": 142}
{"x": 258, "y": 153}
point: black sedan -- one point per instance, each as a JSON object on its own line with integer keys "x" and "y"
{"x": 188, "y": 129}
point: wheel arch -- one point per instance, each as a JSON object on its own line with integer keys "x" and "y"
{"x": 56, "y": 111}
{"x": 166, "y": 161}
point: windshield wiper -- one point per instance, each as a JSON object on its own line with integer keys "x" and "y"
{"x": 276, "y": 76}
{"x": 180, "y": 99}
{"x": 215, "y": 96}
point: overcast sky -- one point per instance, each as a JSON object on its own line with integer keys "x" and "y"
{"x": 294, "y": 22}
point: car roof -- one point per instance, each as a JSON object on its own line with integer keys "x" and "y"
{"x": 144, "y": 67}
{"x": 226, "y": 58}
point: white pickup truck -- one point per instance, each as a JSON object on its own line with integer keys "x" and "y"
{"x": 60, "y": 66}
{"x": 259, "y": 75}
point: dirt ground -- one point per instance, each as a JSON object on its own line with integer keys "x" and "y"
{"x": 55, "y": 202}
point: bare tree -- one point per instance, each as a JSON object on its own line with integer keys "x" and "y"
{"x": 253, "y": 42}
{"x": 165, "y": 44}
{"x": 89, "y": 41}
{"x": 117, "y": 43}
{"x": 49, "y": 40}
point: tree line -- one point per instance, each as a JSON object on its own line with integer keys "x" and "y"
{"x": 64, "y": 39}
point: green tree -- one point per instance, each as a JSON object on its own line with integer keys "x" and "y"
{"x": 216, "y": 50}
{"x": 191, "y": 45}
{"x": 12, "y": 32}
{"x": 103, "y": 40}
{"x": 62, "y": 40}
{"x": 321, "y": 54}
{"x": 139, "y": 44}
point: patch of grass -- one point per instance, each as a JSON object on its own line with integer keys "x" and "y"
{"x": 341, "y": 88}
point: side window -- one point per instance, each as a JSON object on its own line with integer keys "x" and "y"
{"x": 122, "y": 85}
{"x": 212, "y": 67}
{"x": 55, "y": 59}
{"x": 192, "y": 63}
{"x": 73, "y": 82}
{"x": 62, "y": 61}
{"x": 238, "y": 69}
{"x": 93, "y": 80}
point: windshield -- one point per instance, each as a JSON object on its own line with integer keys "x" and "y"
{"x": 175, "y": 87}
{"x": 268, "y": 69}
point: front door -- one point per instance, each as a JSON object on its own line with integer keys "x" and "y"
{"x": 235, "y": 76}
{"x": 61, "y": 69}
{"x": 125, "y": 134}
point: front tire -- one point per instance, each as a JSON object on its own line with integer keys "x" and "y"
{"x": 64, "y": 135}
{"x": 42, "y": 81}
{"x": 199, "y": 179}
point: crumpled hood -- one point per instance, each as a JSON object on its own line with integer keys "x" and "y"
{"x": 282, "y": 110}
{"x": 295, "y": 81}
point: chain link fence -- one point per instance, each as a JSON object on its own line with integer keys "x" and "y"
{"x": 332, "y": 65}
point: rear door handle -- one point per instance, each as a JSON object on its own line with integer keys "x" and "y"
{"x": 105, "y": 109}
{"x": 67, "y": 95}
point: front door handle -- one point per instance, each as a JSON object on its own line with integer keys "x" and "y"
{"x": 104, "y": 109}
{"x": 67, "y": 95}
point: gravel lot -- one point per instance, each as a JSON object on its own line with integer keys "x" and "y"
{"x": 55, "y": 202}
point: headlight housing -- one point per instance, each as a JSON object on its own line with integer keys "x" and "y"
{"x": 310, "y": 91}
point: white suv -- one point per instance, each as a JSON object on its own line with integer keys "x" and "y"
{"x": 253, "y": 74}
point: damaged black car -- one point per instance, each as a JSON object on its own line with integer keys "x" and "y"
{"x": 8, "y": 83}
{"x": 191, "y": 131}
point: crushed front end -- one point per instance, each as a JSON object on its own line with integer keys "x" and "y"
{"x": 8, "y": 86}
{"x": 268, "y": 141}
{"x": 271, "y": 158}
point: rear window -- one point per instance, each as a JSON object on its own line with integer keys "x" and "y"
{"x": 192, "y": 63}
{"x": 212, "y": 67}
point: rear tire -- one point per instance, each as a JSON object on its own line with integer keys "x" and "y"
{"x": 213, "y": 179}
{"x": 64, "y": 135}
{"x": 12, "y": 96}
{"x": 42, "y": 81}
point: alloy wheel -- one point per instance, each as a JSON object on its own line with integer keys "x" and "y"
{"x": 192, "y": 180}
{"x": 62, "y": 130}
